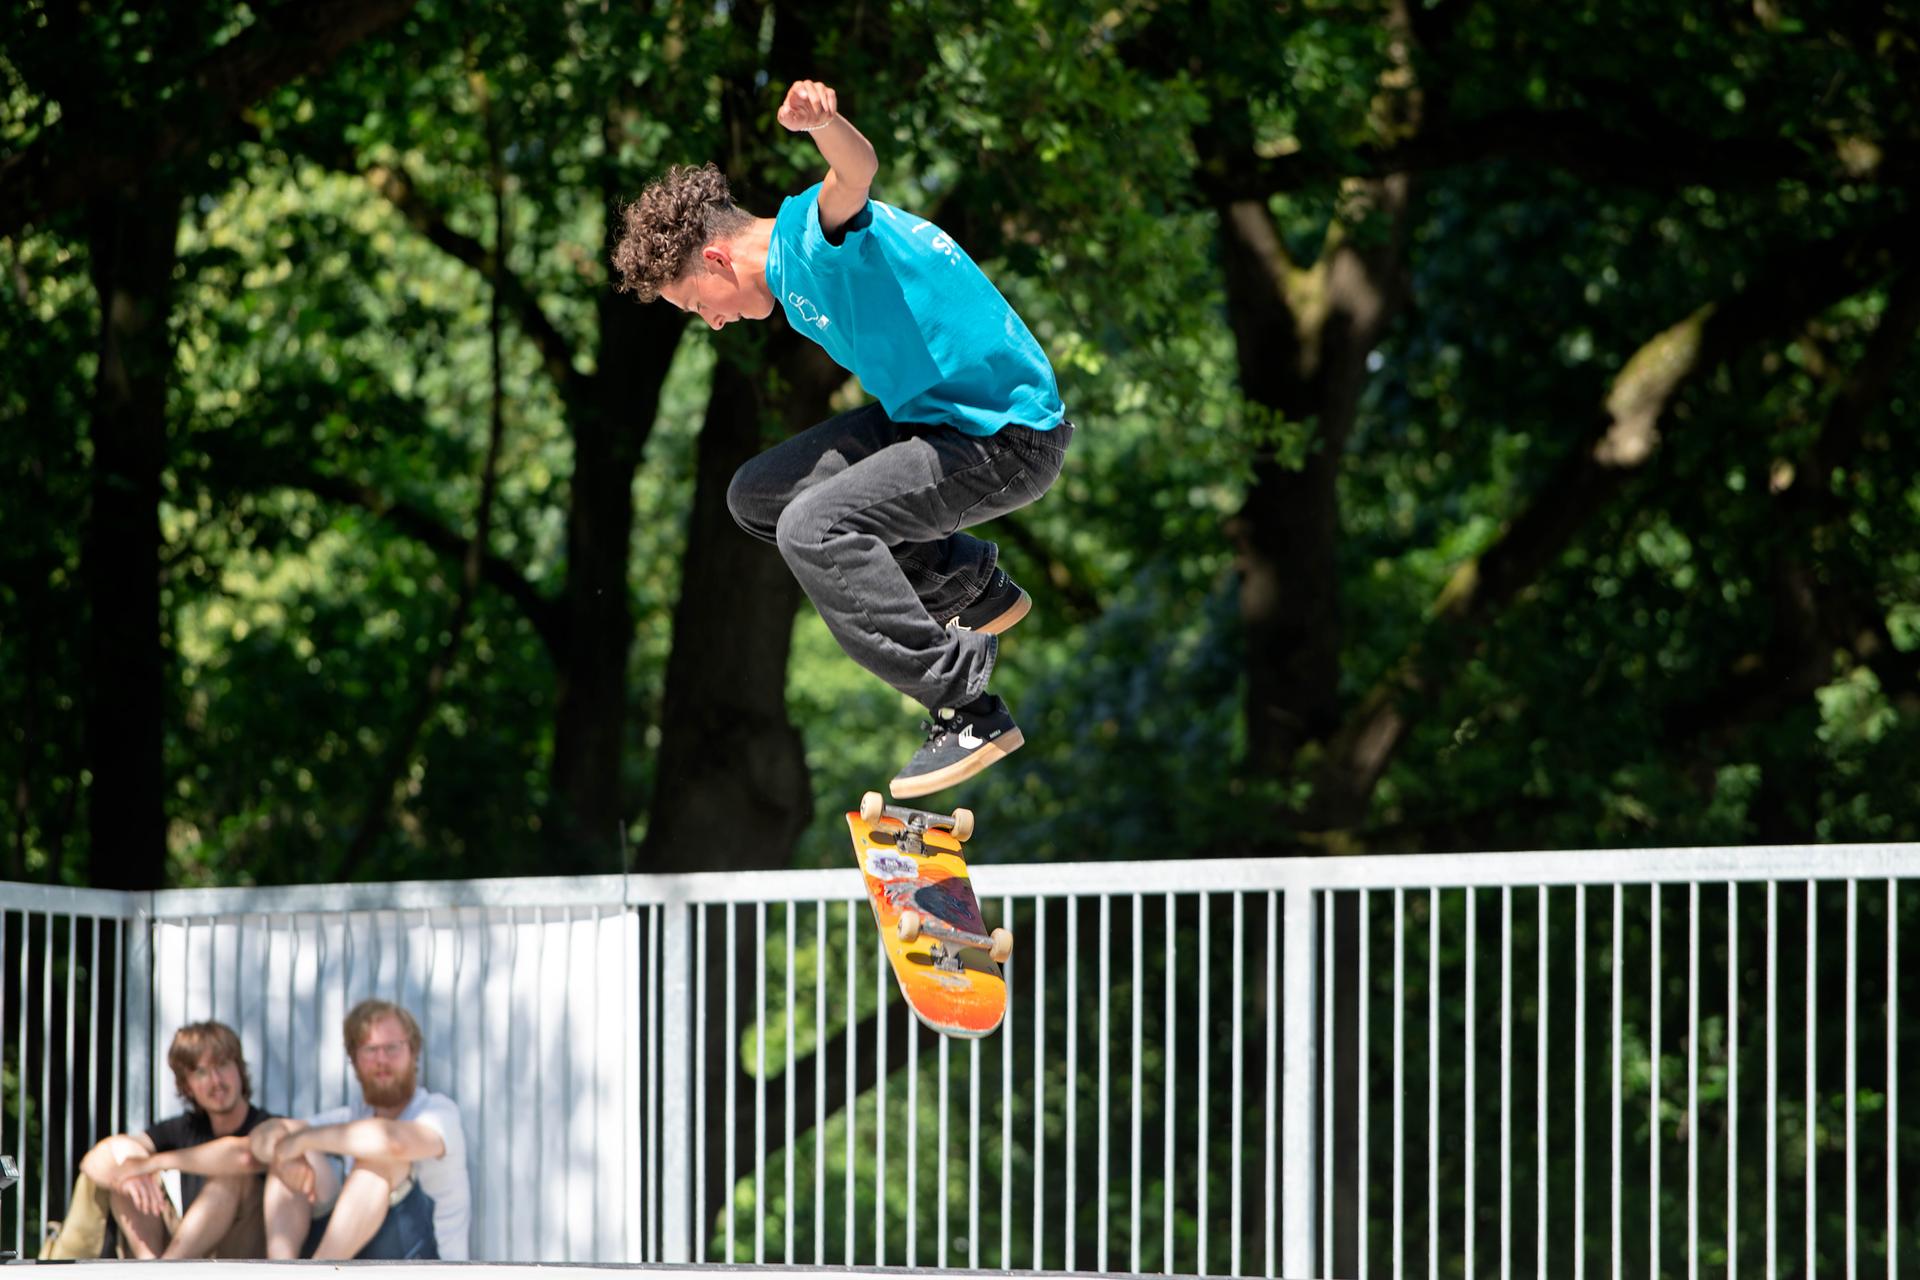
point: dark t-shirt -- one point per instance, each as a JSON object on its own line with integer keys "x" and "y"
{"x": 190, "y": 1130}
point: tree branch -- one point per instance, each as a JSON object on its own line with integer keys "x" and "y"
{"x": 1656, "y": 156}
{"x": 67, "y": 166}
{"x": 1623, "y": 440}
{"x": 1815, "y": 615}
{"x": 397, "y": 186}
{"x": 1069, "y": 586}
{"x": 429, "y": 531}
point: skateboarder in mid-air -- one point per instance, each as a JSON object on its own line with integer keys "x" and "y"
{"x": 866, "y": 507}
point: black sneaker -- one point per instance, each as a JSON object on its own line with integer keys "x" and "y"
{"x": 1001, "y": 605}
{"x": 959, "y": 744}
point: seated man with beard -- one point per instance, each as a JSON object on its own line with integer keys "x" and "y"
{"x": 385, "y": 1177}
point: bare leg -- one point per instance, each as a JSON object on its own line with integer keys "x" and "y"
{"x": 289, "y": 1213}
{"x": 145, "y": 1233}
{"x": 362, "y": 1206}
{"x": 206, "y": 1220}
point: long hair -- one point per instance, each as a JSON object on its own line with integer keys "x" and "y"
{"x": 194, "y": 1042}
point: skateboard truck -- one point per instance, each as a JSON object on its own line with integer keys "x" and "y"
{"x": 999, "y": 944}
{"x": 918, "y": 821}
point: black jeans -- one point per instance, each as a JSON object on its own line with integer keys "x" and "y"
{"x": 867, "y": 513}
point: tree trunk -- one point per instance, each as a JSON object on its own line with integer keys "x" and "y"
{"x": 1304, "y": 362}
{"x": 131, "y": 242}
{"x": 610, "y": 429}
{"x": 731, "y": 788}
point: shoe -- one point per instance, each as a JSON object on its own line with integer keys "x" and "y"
{"x": 1001, "y": 605}
{"x": 959, "y": 744}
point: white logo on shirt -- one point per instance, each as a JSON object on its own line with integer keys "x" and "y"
{"x": 808, "y": 312}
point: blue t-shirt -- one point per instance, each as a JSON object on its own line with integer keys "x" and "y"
{"x": 903, "y": 308}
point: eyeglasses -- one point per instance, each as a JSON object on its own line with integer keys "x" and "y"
{"x": 391, "y": 1049}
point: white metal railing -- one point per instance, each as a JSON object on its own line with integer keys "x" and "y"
{"x": 1207, "y": 1066}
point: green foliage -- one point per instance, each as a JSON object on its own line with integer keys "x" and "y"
{"x": 1598, "y": 173}
{"x": 332, "y": 354}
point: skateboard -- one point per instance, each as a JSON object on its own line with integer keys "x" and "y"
{"x": 946, "y": 960}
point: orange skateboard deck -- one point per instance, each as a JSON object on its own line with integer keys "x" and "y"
{"x": 946, "y": 960}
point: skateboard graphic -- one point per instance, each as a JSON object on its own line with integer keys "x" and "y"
{"x": 946, "y": 960}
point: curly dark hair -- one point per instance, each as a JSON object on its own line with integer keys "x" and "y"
{"x": 674, "y": 218}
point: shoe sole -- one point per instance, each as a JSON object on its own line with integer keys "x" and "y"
{"x": 959, "y": 770}
{"x": 1014, "y": 612}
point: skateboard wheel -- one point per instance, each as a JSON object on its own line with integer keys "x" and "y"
{"x": 910, "y": 926}
{"x": 1002, "y": 949}
{"x": 871, "y": 807}
{"x": 962, "y": 825}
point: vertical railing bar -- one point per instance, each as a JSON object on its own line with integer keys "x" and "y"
{"x": 540, "y": 1040}
{"x": 1326, "y": 1083}
{"x": 73, "y": 951}
{"x": 1579, "y": 1081}
{"x": 1693, "y": 1080}
{"x": 1298, "y": 1058}
{"x": 880, "y": 1100}
{"x": 1166, "y": 1247}
{"x": 731, "y": 1070}
{"x": 1506, "y": 1080}
{"x": 20, "y": 1111}
{"x": 508, "y": 1039}
{"x": 941, "y": 1166}
{"x": 1812, "y": 1122}
{"x": 1467, "y": 1102}
{"x": 565, "y": 1067}
{"x": 793, "y": 928}
{"x": 4, "y": 913}
{"x": 46, "y": 1070}
{"x": 1273, "y": 1098}
{"x": 853, "y": 1071}
{"x": 1106, "y": 1037}
{"x": 119, "y": 1022}
{"x": 701, "y": 963}
{"x": 1772, "y": 1108}
{"x": 1399, "y": 1080}
{"x": 913, "y": 1141}
{"x": 1853, "y": 1149}
{"x": 1433, "y": 1084}
{"x": 656, "y": 1149}
{"x": 1139, "y": 1040}
{"x": 973, "y": 1155}
{"x": 645, "y": 1011}
{"x": 1072, "y": 1204}
{"x": 1653, "y": 1086}
{"x": 1619, "y": 1058}
{"x": 1363, "y": 1065}
{"x": 93, "y": 1033}
{"x": 1040, "y": 1080}
{"x": 1006, "y": 1105}
{"x": 1733, "y": 1077}
{"x": 1540, "y": 1091}
{"x": 1893, "y": 1077}
{"x": 1238, "y": 1109}
{"x": 1200, "y": 1136}
{"x": 820, "y": 1083}
{"x": 759, "y": 1084}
